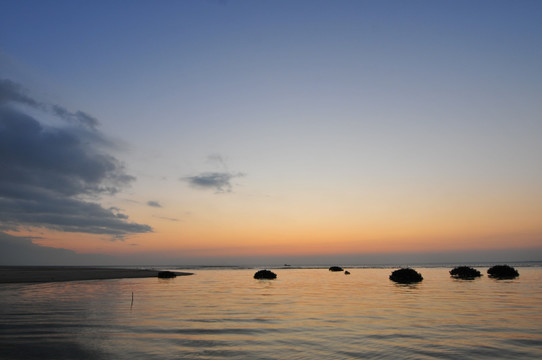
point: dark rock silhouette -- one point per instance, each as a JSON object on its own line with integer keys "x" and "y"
{"x": 346, "y": 272}
{"x": 502, "y": 272}
{"x": 166, "y": 274}
{"x": 465, "y": 273}
{"x": 265, "y": 274}
{"x": 406, "y": 276}
{"x": 336, "y": 268}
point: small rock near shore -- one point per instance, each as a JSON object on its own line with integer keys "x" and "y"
{"x": 265, "y": 274}
{"x": 406, "y": 276}
{"x": 465, "y": 273}
{"x": 502, "y": 272}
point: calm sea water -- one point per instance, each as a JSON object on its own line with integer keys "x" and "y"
{"x": 304, "y": 314}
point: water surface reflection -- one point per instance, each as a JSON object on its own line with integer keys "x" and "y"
{"x": 303, "y": 314}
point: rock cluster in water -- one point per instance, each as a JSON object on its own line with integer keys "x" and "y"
{"x": 502, "y": 272}
{"x": 465, "y": 273}
{"x": 406, "y": 276}
{"x": 403, "y": 275}
{"x": 166, "y": 274}
{"x": 265, "y": 274}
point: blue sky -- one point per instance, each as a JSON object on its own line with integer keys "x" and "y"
{"x": 265, "y": 127}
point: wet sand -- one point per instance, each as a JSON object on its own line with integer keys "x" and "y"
{"x": 34, "y": 274}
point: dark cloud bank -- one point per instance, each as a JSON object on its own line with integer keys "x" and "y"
{"x": 52, "y": 176}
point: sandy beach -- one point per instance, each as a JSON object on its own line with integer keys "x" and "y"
{"x": 38, "y": 274}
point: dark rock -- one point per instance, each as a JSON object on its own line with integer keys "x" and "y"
{"x": 346, "y": 272}
{"x": 406, "y": 276}
{"x": 502, "y": 272}
{"x": 336, "y": 268}
{"x": 465, "y": 273}
{"x": 265, "y": 274}
{"x": 166, "y": 274}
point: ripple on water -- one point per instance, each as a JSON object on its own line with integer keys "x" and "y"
{"x": 304, "y": 314}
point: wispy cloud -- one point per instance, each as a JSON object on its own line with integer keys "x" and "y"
{"x": 77, "y": 117}
{"x": 217, "y": 159}
{"x": 153, "y": 203}
{"x": 46, "y": 171}
{"x": 166, "y": 218}
{"x": 11, "y": 92}
{"x": 219, "y": 181}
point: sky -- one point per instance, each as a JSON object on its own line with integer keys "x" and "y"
{"x": 224, "y": 132}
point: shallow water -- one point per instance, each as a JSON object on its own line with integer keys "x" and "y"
{"x": 304, "y": 314}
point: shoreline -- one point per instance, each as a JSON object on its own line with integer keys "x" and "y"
{"x": 41, "y": 274}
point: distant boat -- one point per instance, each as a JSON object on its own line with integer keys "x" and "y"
{"x": 287, "y": 265}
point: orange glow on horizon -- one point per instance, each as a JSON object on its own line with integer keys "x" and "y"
{"x": 244, "y": 229}
{"x": 319, "y": 244}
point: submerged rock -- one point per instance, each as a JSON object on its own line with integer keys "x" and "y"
{"x": 406, "y": 276}
{"x": 336, "y": 268}
{"x": 465, "y": 273}
{"x": 166, "y": 274}
{"x": 502, "y": 272}
{"x": 265, "y": 274}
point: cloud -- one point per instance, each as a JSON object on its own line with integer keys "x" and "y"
{"x": 50, "y": 174}
{"x": 19, "y": 250}
{"x": 166, "y": 218}
{"x": 219, "y": 181}
{"x": 13, "y": 92}
{"x": 217, "y": 159}
{"x": 77, "y": 117}
{"x": 154, "y": 204}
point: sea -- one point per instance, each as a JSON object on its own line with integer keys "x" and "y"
{"x": 306, "y": 313}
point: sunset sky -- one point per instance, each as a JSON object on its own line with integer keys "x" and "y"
{"x": 237, "y": 131}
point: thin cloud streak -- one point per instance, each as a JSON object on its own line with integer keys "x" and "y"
{"x": 166, "y": 218}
